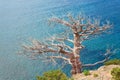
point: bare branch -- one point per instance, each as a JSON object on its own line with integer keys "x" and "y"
{"x": 60, "y": 39}
{"x": 68, "y": 47}
{"x": 72, "y": 20}
{"x": 61, "y": 42}
{"x": 94, "y": 28}
{"x": 70, "y": 40}
{"x": 107, "y": 56}
{"x": 99, "y": 62}
{"x": 61, "y": 21}
{"x": 61, "y": 48}
{"x": 41, "y": 48}
{"x": 60, "y": 57}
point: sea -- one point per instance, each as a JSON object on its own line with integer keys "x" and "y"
{"x": 23, "y": 20}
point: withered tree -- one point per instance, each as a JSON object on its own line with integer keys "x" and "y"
{"x": 57, "y": 47}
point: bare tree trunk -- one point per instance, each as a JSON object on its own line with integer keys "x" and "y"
{"x": 76, "y": 64}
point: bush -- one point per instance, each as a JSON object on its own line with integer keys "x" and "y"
{"x": 53, "y": 75}
{"x": 116, "y": 73}
{"x": 86, "y": 72}
{"x": 95, "y": 75}
{"x": 114, "y": 61}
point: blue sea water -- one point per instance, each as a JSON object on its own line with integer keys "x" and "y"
{"x": 21, "y": 20}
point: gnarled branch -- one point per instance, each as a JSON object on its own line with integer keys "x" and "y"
{"x": 41, "y": 48}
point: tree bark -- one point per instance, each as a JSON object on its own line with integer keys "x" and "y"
{"x": 76, "y": 64}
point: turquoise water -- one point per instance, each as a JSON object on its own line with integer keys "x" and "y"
{"x": 21, "y": 20}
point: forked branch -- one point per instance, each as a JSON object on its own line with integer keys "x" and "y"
{"x": 41, "y": 48}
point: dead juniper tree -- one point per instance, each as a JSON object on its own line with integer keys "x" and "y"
{"x": 82, "y": 28}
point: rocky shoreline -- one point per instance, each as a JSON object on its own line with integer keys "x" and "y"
{"x": 103, "y": 73}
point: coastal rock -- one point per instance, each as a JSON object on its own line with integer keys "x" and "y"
{"x": 104, "y": 73}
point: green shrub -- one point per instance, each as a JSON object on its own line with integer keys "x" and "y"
{"x": 41, "y": 78}
{"x": 53, "y": 75}
{"x": 86, "y": 72}
{"x": 116, "y": 73}
{"x": 114, "y": 61}
{"x": 95, "y": 75}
